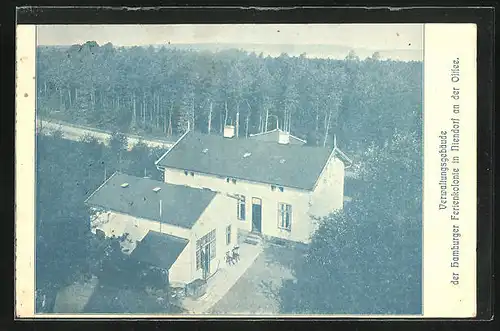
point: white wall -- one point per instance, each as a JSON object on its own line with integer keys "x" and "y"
{"x": 302, "y": 226}
{"x": 180, "y": 272}
{"x": 118, "y": 224}
{"x": 216, "y": 216}
{"x": 137, "y": 228}
{"x": 329, "y": 192}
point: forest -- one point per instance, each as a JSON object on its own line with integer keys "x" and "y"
{"x": 158, "y": 90}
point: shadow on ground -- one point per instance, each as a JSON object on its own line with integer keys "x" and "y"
{"x": 256, "y": 292}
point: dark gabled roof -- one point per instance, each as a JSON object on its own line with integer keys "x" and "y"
{"x": 288, "y": 165}
{"x": 180, "y": 205}
{"x": 273, "y": 136}
{"x": 159, "y": 249}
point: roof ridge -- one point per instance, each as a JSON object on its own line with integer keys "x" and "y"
{"x": 172, "y": 147}
{"x": 167, "y": 234}
{"x": 279, "y": 130}
{"x": 158, "y": 182}
{"x": 242, "y": 139}
{"x": 265, "y": 132}
{"x": 100, "y": 186}
{"x": 342, "y": 154}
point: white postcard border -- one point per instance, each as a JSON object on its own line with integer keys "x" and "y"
{"x": 450, "y": 185}
{"x": 25, "y": 179}
{"x": 443, "y": 43}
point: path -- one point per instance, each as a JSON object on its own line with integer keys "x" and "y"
{"x": 257, "y": 292}
{"x": 76, "y": 133}
{"x": 222, "y": 282}
{"x": 73, "y": 298}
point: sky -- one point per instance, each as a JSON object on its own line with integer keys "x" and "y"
{"x": 403, "y": 39}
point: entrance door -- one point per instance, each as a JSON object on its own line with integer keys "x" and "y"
{"x": 256, "y": 215}
{"x": 205, "y": 261}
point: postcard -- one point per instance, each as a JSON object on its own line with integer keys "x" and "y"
{"x": 246, "y": 170}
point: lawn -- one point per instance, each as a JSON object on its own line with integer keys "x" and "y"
{"x": 255, "y": 293}
{"x": 73, "y": 298}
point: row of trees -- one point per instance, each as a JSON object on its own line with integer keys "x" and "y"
{"x": 160, "y": 90}
{"x": 67, "y": 172}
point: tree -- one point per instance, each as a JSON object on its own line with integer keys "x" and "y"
{"x": 62, "y": 222}
{"x": 366, "y": 259}
{"x": 376, "y": 56}
{"x": 186, "y": 112}
{"x": 312, "y": 139}
{"x": 141, "y": 161}
{"x": 118, "y": 144}
{"x": 66, "y": 251}
{"x": 157, "y": 91}
{"x": 352, "y": 56}
{"x": 61, "y": 251}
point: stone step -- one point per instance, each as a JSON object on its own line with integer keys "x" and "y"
{"x": 254, "y": 239}
{"x": 254, "y": 236}
{"x": 251, "y": 241}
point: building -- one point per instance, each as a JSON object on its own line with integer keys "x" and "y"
{"x": 281, "y": 187}
{"x": 183, "y": 230}
{"x": 278, "y": 135}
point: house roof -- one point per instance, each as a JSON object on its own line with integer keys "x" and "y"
{"x": 273, "y": 136}
{"x": 159, "y": 249}
{"x": 180, "y": 205}
{"x": 288, "y": 165}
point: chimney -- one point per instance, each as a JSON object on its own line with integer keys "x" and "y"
{"x": 283, "y": 137}
{"x": 229, "y": 131}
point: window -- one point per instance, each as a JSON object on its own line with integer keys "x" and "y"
{"x": 228, "y": 235}
{"x": 241, "y": 208}
{"x": 284, "y": 216}
{"x": 201, "y": 245}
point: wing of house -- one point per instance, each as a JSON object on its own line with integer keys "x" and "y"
{"x": 159, "y": 249}
{"x": 272, "y": 179}
{"x": 164, "y": 225}
{"x": 256, "y": 161}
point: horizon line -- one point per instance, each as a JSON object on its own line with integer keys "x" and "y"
{"x": 236, "y": 43}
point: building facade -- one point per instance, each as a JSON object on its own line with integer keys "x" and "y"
{"x": 280, "y": 189}
{"x": 183, "y": 230}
